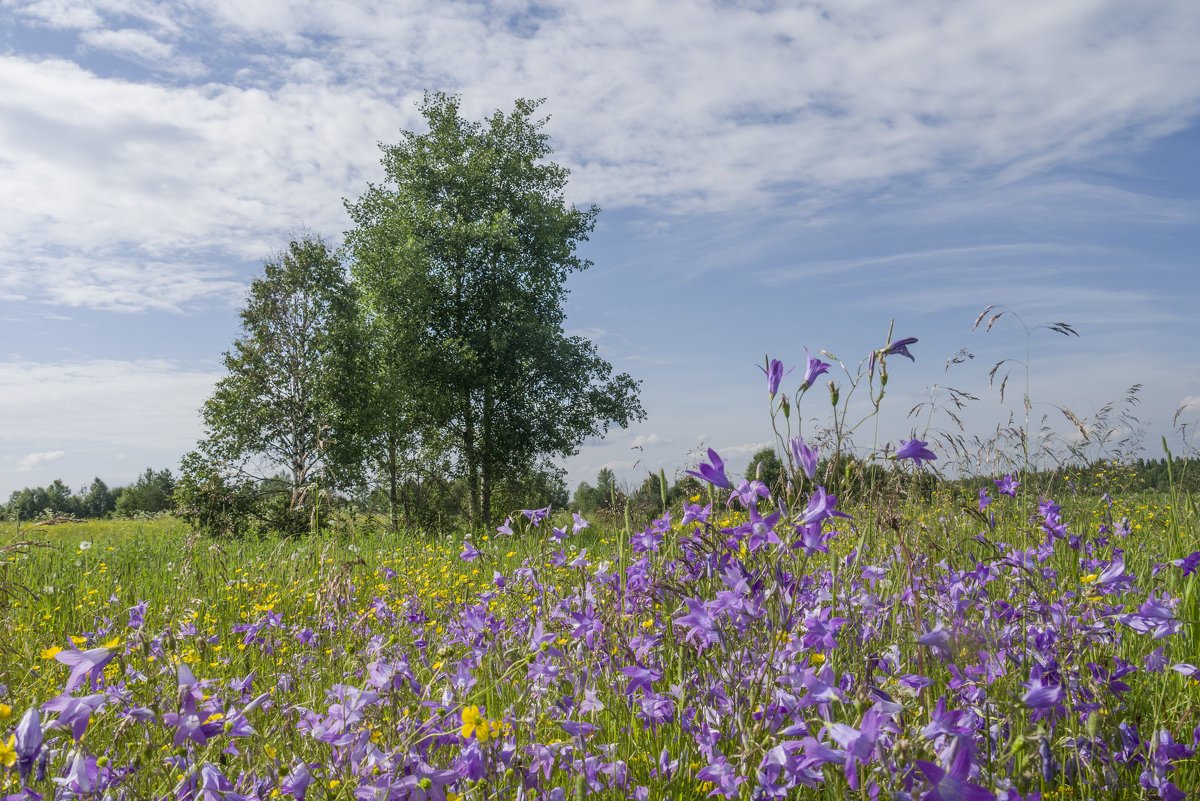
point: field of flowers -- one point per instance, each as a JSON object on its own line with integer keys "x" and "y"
{"x": 1035, "y": 650}
{"x": 985, "y": 642}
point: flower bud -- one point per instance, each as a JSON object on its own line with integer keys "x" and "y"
{"x": 833, "y": 394}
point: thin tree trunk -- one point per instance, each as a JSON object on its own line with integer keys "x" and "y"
{"x": 393, "y": 478}
{"x": 471, "y": 456}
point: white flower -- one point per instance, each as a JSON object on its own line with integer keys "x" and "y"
{"x": 85, "y": 545}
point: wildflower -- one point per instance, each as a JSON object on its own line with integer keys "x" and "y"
{"x": 984, "y": 499}
{"x": 640, "y": 678}
{"x": 701, "y": 625}
{"x": 51, "y": 652}
{"x": 692, "y": 513}
{"x": 953, "y": 784}
{"x": 5, "y": 711}
{"x": 84, "y": 664}
{"x": 1188, "y": 564}
{"x": 722, "y": 775}
{"x": 28, "y": 741}
{"x": 536, "y": 516}
{"x": 1040, "y": 692}
{"x": 506, "y": 527}
{"x": 474, "y": 724}
{"x": 8, "y": 752}
{"x": 1154, "y": 617}
{"x": 1007, "y": 485}
{"x": 713, "y": 473}
{"x": 899, "y": 347}
{"x": 805, "y": 456}
{"x": 748, "y": 492}
{"x": 774, "y": 373}
{"x": 74, "y": 713}
{"x": 813, "y": 368}
{"x": 821, "y": 506}
{"x": 580, "y": 524}
{"x": 1113, "y": 578}
{"x": 137, "y": 615}
{"x": 297, "y": 782}
{"x": 85, "y": 546}
{"x": 859, "y": 744}
{"x": 917, "y": 450}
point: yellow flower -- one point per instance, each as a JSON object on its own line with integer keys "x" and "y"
{"x": 474, "y": 723}
{"x": 1089, "y": 578}
{"x": 8, "y": 751}
{"x": 5, "y": 711}
{"x": 78, "y": 640}
{"x": 51, "y": 652}
{"x": 816, "y": 659}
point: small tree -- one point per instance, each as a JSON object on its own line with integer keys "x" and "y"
{"x": 290, "y": 400}
{"x": 99, "y": 500}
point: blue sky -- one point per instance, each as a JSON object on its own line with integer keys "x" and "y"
{"x": 772, "y": 177}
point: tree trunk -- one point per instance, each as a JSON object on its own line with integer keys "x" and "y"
{"x": 486, "y": 460}
{"x": 393, "y": 469}
{"x": 471, "y": 456}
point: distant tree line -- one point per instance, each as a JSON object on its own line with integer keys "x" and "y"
{"x": 152, "y": 493}
{"x": 860, "y": 480}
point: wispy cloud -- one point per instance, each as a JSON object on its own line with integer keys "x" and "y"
{"x": 642, "y": 440}
{"x": 145, "y": 409}
{"x": 684, "y": 107}
{"x": 32, "y": 460}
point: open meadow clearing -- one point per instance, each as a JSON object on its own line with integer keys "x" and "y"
{"x": 352, "y": 453}
{"x": 1048, "y": 652}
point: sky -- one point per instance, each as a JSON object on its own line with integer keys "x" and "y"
{"x": 772, "y": 177}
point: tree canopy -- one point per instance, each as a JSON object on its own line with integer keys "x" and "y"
{"x": 284, "y": 416}
{"x": 462, "y": 257}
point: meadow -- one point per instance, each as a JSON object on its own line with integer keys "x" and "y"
{"x": 995, "y": 644}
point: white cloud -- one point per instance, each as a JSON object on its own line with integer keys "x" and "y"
{"x": 642, "y": 440}
{"x": 744, "y": 449}
{"x": 32, "y": 460}
{"x": 681, "y": 107}
{"x": 129, "y": 41}
{"x": 89, "y": 411}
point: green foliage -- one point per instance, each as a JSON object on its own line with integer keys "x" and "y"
{"x": 767, "y": 467}
{"x": 150, "y": 494}
{"x": 290, "y": 402}
{"x": 462, "y": 256}
{"x": 99, "y": 500}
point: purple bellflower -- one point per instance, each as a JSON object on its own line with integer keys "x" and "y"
{"x": 806, "y": 457}
{"x": 899, "y": 347}
{"x": 73, "y": 713}
{"x": 713, "y": 473}
{"x": 953, "y": 784}
{"x": 87, "y": 664}
{"x": 813, "y": 369}
{"x": 1188, "y": 564}
{"x": 917, "y": 450}
{"x": 774, "y": 374}
{"x": 1007, "y": 485}
{"x": 28, "y": 741}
